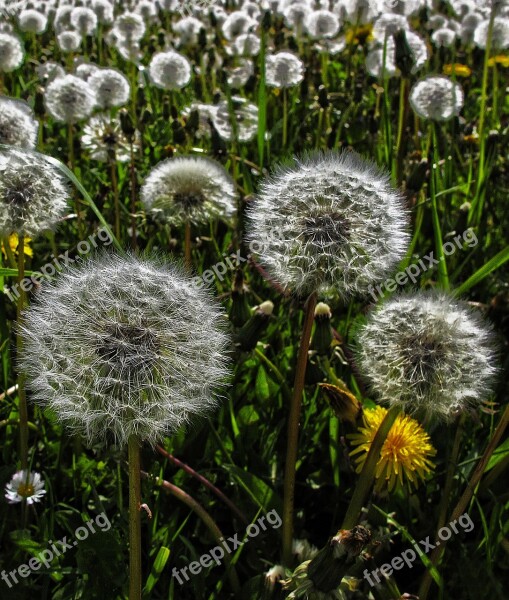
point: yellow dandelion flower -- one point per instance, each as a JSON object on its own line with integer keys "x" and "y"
{"x": 457, "y": 69}
{"x": 13, "y": 244}
{"x": 405, "y": 453}
{"x": 359, "y": 34}
{"x": 500, "y": 59}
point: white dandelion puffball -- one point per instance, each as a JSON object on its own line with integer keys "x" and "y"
{"x": 500, "y": 35}
{"x": 104, "y": 139}
{"x": 189, "y": 189}
{"x": 187, "y": 30}
{"x": 11, "y": 52}
{"x": 110, "y": 86}
{"x": 322, "y": 24}
{"x": 247, "y": 44}
{"x": 25, "y": 486}
{"x": 246, "y": 119}
{"x": 69, "y": 41}
{"x": 237, "y": 23}
{"x": 84, "y": 20}
{"x": 375, "y": 58}
{"x": 331, "y": 223}
{"x": 170, "y": 70}
{"x": 32, "y": 21}
{"x": 103, "y": 10}
{"x": 284, "y": 69}
{"x": 69, "y": 99}
{"x": 33, "y": 194}
{"x": 427, "y": 352}
{"x": 129, "y": 27}
{"x": 239, "y": 76}
{"x": 437, "y": 98}
{"x": 17, "y": 124}
{"x": 122, "y": 346}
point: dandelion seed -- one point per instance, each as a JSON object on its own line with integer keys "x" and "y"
{"x": 189, "y": 189}
{"x": 23, "y": 486}
{"x": 428, "y": 353}
{"x": 405, "y": 458}
{"x": 33, "y": 195}
{"x": 437, "y": 98}
{"x": 331, "y": 223}
{"x": 120, "y": 347}
{"x": 17, "y": 124}
{"x": 69, "y": 99}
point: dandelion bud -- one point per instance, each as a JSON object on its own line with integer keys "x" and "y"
{"x": 322, "y": 336}
{"x": 239, "y": 311}
{"x": 248, "y": 336}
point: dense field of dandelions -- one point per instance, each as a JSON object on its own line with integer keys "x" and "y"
{"x": 254, "y": 302}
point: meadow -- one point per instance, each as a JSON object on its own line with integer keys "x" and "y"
{"x": 254, "y": 302}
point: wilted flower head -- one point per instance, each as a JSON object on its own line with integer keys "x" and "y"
{"x": 69, "y": 99}
{"x": 33, "y": 195}
{"x": 405, "y": 458}
{"x": 110, "y": 86}
{"x": 25, "y": 486}
{"x": 11, "y": 52}
{"x": 32, "y": 21}
{"x": 122, "y": 346}
{"x": 437, "y": 98}
{"x": 104, "y": 139}
{"x": 17, "y": 124}
{"x": 284, "y": 69}
{"x": 170, "y": 70}
{"x": 428, "y": 353}
{"x": 322, "y": 24}
{"x": 189, "y": 189}
{"x": 332, "y": 222}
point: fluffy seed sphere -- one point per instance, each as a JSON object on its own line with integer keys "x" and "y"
{"x": 69, "y": 41}
{"x": 500, "y": 36}
{"x": 437, "y": 98}
{"x": 129, "y": 27}
{"x": 427, "y": 353}
{"x": 124, "y": 346}
{"x": 189, "y": 189}
{"x": 33, "y": 195}
{"x": 322, "y": 24}
{"x": 284, "y": 69}
{"x": 69, "y": 99}
{"x": 32, "y": 21}
{"x": 170, "y": 70}
{"x": 110, "y": 86}
{"x": 84, "y": 20}
{"x": 17, "y": 124}
{"x": 237, "y": 23}
{"x": 332, "y": 222}
{"x": 11, "y": 52}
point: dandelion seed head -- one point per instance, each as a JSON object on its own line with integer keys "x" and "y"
{"x": 322, "y": 24}
{"x": 68, "y": 41}
{"x": 170, "y": 70}
{"x": 246, "y": 44}
{"x": 189, "y": 189}
{"x": 32, "y": 21}
{"x": 246, "y": 119}
{"x": 437, "y": 98}
{"x": 84, "y": 20}
{"x": 111, "y": 87}
{"x": 104, "y": 140}
{"x": 129, "y": 26}
{"x": 332, "y": 223}
{"x": 284, "y": 69}
{"x": 237, "y": 23}
{"x": 500, "y": 35}
{"x": 11, "y": 52}
{"x": 123, "y": 346}
{"x": 33, "y": 195}
{"x": 17, "y": 124}
{"x": 428, "y": 353}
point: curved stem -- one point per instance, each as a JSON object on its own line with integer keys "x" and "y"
{"x": 466, "y": 497}
{"x": 134, "y": 519}
{"x": 207, "y": 520}
{"x": 293, "y": 428}
{"x": 367, "y": 475}
{"x": 202, "y": 480}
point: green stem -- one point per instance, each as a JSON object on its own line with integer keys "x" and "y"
{"x": 134, "y": 519}
{"x": 293, "y": 428}
{"x": 187, "y": 246}
{"x": 285, "y": 117}
{"x": 116, "y": 201}
{"x": 465, "y": 499}
{"x": 367, "y": 476}
{"x": 23, "y": 409}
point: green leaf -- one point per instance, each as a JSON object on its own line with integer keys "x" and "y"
{"x": 157, "y": 568}
{"x": 494, "y": 263}
{"x": 262, "y": 385}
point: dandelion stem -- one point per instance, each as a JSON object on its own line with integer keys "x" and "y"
{"x": 285, "y": 116}
{"x": 466, "y": 497}
{"x": 134, "y": 519}
{"x": 116, "y": 201}
{"x": 132, "y": 173}
{"x": 293, "y": 428}
{"x": 23, "y": 410}
{"x": 367, "y": 475}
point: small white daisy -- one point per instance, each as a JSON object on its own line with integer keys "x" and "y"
{"x": 23, "y": 486}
